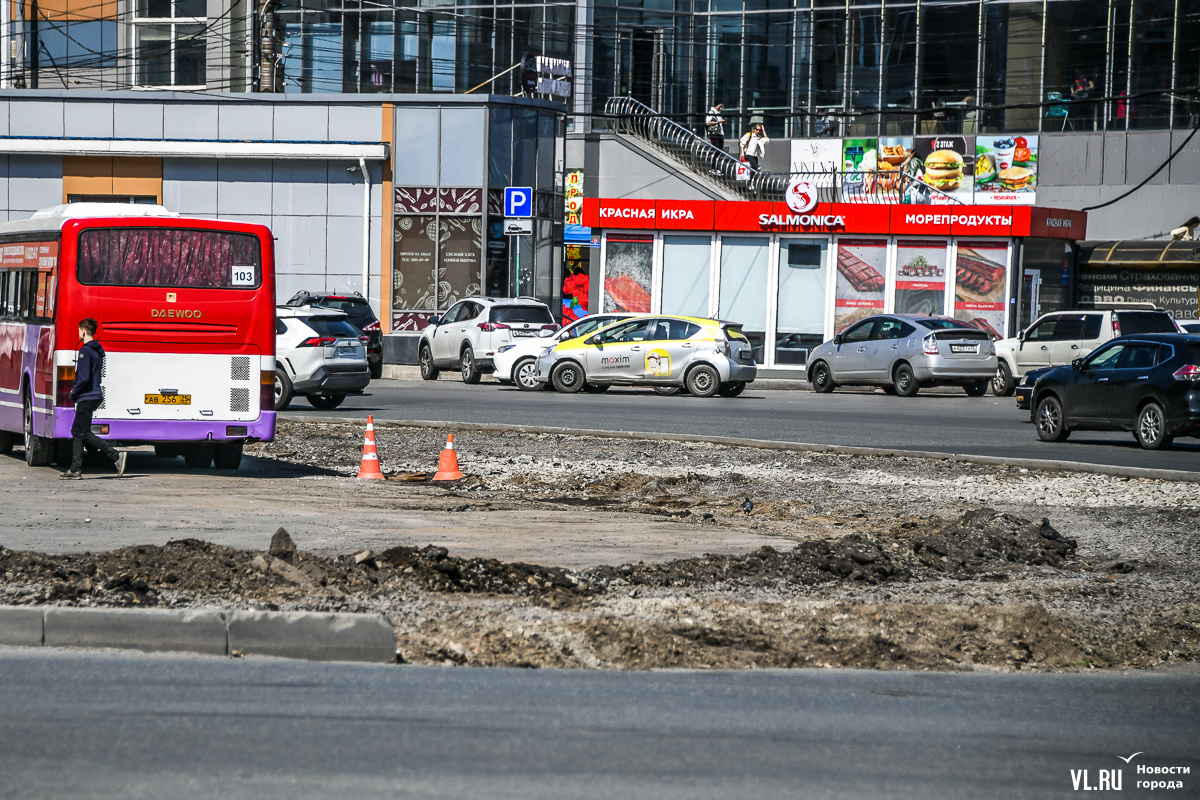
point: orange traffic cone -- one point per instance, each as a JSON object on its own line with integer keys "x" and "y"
{"x": 370, "y": 458}
{"x": 448, "y": 463}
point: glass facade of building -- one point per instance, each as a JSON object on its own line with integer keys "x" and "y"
{"x": 810, "y": 67}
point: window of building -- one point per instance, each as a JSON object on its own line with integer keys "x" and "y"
{"x": 169, "y": 43}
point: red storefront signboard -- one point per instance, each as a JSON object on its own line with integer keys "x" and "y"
{"x": 880, "y": 219}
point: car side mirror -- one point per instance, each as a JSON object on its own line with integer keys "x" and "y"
{"x": 435, "y": 320}
{"x": 837, "y": 339}
{"x": 1077, "y": 364}
{"x": 1020, "y": 336}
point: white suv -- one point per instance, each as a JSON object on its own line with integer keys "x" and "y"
{"x": 1058, "y": 338}
{"x": 467, "y": 337}
{"x": 318, "y": 354}
{"x": 517, "y": 362}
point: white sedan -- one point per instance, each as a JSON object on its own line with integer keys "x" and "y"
{"x": 516, "y": 362}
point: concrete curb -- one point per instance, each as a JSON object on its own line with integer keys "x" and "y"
{"x": 766, "y": 444}
{"x": 313, "y": 636}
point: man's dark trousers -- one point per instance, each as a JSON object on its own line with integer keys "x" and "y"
{"x": 81, "y": 434}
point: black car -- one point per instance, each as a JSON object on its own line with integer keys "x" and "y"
{"x": 1146, "y": 384}
{"x": 1024, "y": 390}
{"x": 361, "y": 316}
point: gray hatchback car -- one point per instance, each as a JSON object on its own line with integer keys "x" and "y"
{"x": 903, "y": 353}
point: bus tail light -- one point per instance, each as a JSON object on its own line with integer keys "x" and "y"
{"x": 66, "y": 382}
{"x": 266, "y": 394}
{"x": 100, "y": 430}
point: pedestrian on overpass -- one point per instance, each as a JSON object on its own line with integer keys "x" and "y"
{"x": 714, "y": 128}
{"x": 87, "y": 394}
{"x": 754, "y": 145}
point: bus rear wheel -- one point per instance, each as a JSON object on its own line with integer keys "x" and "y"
{"x": 227, "y": 455}
{"x": 39, "y": 451}
{"x": 197, "y": 456}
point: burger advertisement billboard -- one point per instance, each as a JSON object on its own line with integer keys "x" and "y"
{"x": 1006, "y": 170}
{"x": 947, "y": 167}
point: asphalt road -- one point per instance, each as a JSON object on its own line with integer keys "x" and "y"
{"x": 110, "y": 725}
{"x": 947, "y": 422}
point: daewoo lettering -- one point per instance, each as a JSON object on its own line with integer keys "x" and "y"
{"x": 170, "y": 313}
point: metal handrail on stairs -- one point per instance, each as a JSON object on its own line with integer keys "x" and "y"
{"x": 629, "y": 116}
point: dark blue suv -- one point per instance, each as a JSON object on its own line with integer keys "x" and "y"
{"x": 1147, "y": 384}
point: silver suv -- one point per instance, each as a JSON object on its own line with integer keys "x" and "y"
{"x": 467, "y": 337}
{"x": 1057, "y": 339}
{"x": 318, "y": 354}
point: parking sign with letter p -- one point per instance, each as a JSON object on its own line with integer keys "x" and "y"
{"x": 518, "y": 201}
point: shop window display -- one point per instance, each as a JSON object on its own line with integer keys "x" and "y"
{"x": 628, "y": 265}
{"x": 743, "y": 297}
{"x": 920, "y": 276}
{"x": 686, "y": 267}
{"x": 861, "y": 266}
{"x": 800, "y": 320}
{"x": 979, "y": 285}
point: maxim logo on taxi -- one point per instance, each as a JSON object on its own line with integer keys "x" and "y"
{"x": 172, "y": 313}
{"x": 801, "y": 221}
{"x": 629, "y": 213}
{"x": 957, "y": 219}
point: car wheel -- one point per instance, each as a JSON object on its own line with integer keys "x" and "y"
{"x": 904, "y": 382}
{"x": 666, "y": 391}
{"x": 467, "y": 365}
{"x": 567, "y": 377}
{"x": 822, "y": 378}
{"x": 977, "y": 389}
{"x": 39, "y": 451}
{"x": 1151, "y": 429}
{"x": 1051, "y": 422}
{"x": 597, "y": 388}
{"x": 326, "y": 402}
{"x": 524, "y": 375}
{"x": 425, "y": 358}
{"x": 227, "y": 455}
{"x": 197, "y": 456}
{"x": 732, "y": 389}
{"x": 703, "y": 381}
{"x": 283, "y": 390}
{"x": 1002, "y": 382}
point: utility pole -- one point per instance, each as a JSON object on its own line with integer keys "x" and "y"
{"x": 269, "y": 79}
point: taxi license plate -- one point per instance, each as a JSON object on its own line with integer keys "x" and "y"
{"x": 168, "y": 399}
{"x": 964, "y": 348}
{"x": 347, "y": 351}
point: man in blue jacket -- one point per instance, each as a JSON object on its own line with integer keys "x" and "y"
{"x": 87, "y": 395}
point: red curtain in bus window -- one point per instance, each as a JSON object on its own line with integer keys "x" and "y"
{"x": 162, "y": 257}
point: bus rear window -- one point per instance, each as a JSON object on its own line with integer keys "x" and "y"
{"x": 169, "y": 257}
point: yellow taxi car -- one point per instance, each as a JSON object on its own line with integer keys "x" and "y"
{"x": 703, "y": 356}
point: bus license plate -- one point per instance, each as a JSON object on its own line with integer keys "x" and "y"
{"x": 168, "y": 399}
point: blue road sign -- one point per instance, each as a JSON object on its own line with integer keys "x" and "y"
{"x": 518, "y": 201}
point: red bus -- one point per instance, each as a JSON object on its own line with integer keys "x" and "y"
{"x": 186, "y": 309}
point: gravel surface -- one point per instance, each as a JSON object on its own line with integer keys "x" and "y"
{"x": 876, "y": 562}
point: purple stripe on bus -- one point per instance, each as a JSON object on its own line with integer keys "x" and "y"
{"x": 134, "y": 431}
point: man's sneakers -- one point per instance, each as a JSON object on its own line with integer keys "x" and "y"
{"x": 70, "y": 475}
{"x": 121, "y": 464}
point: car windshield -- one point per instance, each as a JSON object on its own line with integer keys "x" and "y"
{"x": 331, "y": 326}
{"x": 539, "y": 315}
{"x": 938, "y": 324}
{"x": 1134, "y": 323}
